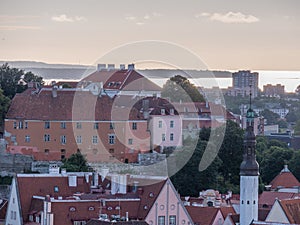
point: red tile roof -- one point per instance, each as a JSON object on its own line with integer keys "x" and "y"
{"x": 122, "y": 80}
{"x": 268, "y": 198}
{"x": 291, "y": 208}
{"x": 28, "y": 187}
{"x": 202, "y": 215}
{"x": 137, "y": 204}
{"x": 69, "y": 104}
{"x": 226, "y": 211}
{"x": 101, "y": 222}
{"x": 285, "y": 179}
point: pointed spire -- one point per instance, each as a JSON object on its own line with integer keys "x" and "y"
{"x": 250, "y": 95}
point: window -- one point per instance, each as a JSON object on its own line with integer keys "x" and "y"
{"x": 46, "y": 151}
{"x": 172, "y": 124}
{"x": 95, "y": 139}
{"x": 26, "y": 125}
{"x": 13, "y": 138}
{"x": 162, "y": 111}
{"x": 63, "y": 154}
{"x": 27, "y": 138}
{"x": 15, "y": 125}
{"x": 20, "y": 124}
{"x": 172, "y": 220}
{"x": 134, "y": 126}
{"x": 161, "y": 220}
{"x": 111, "y": 125}
{"x": 163, "y": 137}
{"x": 111, "y": 139}
{"x": 171, "y": 137}
{"x": 111, "y": 150}
{"x": 56, "y": 189}
{"x": 63, "y": 139}
{"x": 130, "y": 141}
{"x": 96, "y": 126}
{"x": 78, "y": 125}
{"x": 47, "y": 125}
{"x": 63, "y": 125}
{"x": 47, "y": 137}
{"x": 160, "y": 124}
{"x": 172, "y": 111}
{"x": 78, "y": 139}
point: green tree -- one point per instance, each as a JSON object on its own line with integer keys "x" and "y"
{"x": 294, "y": 164}
{"x": 4, "y": 104}
{"x": 13, "y": 80}
{"x": 273, "y": 162}
{"x": 189, "y": 180}
{"x": 271, "y": 117}
{"x": 231, "y": 153}
{"x": 76, "y": 163}
{"x": 297, "y": 128}
{"x": 179, "y": 88}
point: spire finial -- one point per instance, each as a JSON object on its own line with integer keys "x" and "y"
{"x": 250, "y": 95}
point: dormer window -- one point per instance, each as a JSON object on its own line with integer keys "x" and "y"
{"x": 171, "y": 111}
{"x": 162, "y": 111}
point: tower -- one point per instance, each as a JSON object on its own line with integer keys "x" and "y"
{"x": 249, "y": 172}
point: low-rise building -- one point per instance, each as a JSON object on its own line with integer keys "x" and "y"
{"x": 75, "y": 198}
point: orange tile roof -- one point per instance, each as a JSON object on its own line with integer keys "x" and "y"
{"x": 291, "y": 209}
{"x": 284, "y": 179}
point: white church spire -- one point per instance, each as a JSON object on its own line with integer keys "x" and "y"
{"x": 249, "y": 172}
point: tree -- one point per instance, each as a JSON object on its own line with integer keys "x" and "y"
{"x": 179, "y": 88}
{"x": 273, "y": 161}
{"x": 271, "y": 117}
{"x": 189, "y": 180}
{"x": 13, "y": 80}
{"x": 231, "y": 153}
{"x": 294, "y": 164}
{"x": 297, "y": 128}
{"x": 4, "y": 104}
{"x": 76, "y": 163}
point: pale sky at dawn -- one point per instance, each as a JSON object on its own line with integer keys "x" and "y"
{"x": 257, "y": 35}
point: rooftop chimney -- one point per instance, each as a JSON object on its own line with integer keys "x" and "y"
{"x": 54, "y": 91}
{"x": 110, "y": 67}
{"x": 101, "y": 67}
{"x": 122, "y": 67}
{"x": 131, "y": 66}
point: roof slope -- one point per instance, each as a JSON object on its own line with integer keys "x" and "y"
{"x": 202, "y": 215}
{"x": 285, "y": 179}
{"x": 291, "y": 208}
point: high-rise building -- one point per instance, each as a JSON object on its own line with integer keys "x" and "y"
{"x": 243, "y": 82}
{"x": 249, "y": 172}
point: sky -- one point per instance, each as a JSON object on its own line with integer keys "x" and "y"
{"x": 223, "y": 35}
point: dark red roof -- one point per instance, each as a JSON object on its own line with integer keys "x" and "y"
{"x": 27, "y": 186}
{"x": 77, "y": 105}
{"x": 227, "y": 210}
{"x": 101, "y": 222}
{"x": 122, "y": 80}
{"x": 268, "y": 198}
{"x": 202, "y": 215}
